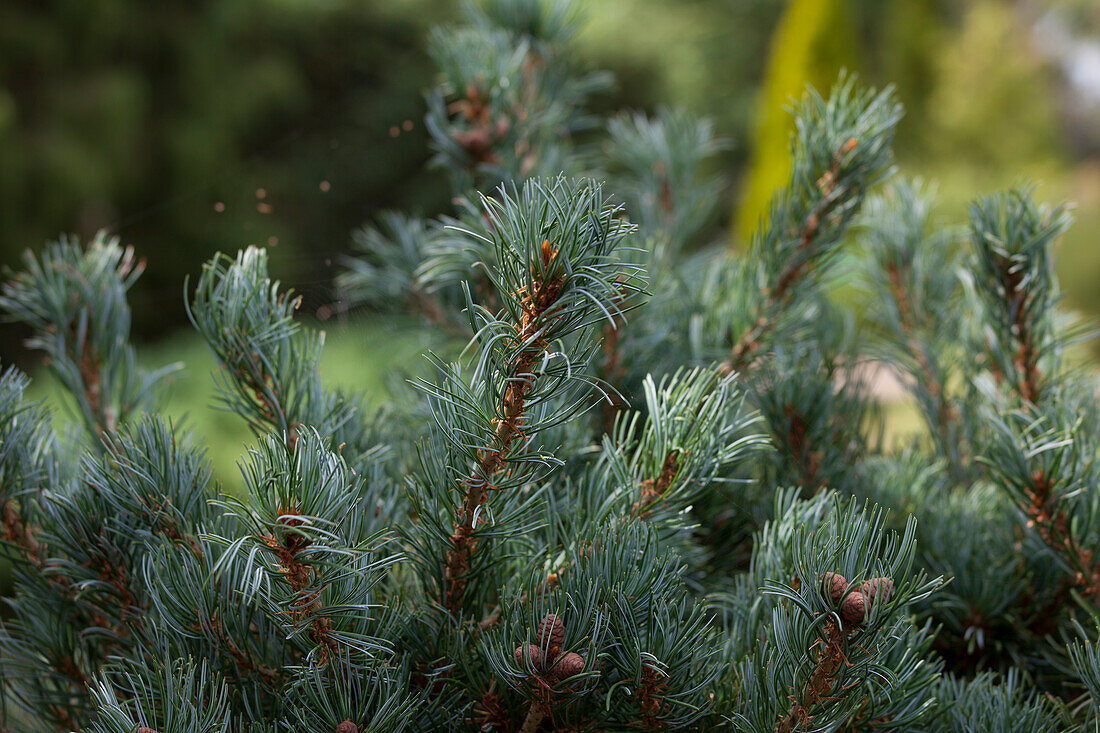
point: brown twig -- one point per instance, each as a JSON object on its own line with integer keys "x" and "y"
{"x": 300, "y": 576}
{"x": 536, "y": 305}
{"x": 1051, "y": 523}
{"x": 809, "y": 461}
{"x": 243, "y": 660}
{"x": 20, "y": 534}
{"x": 829, "y": 658}
{"x": 650, "y": 691}
{"x": 1026, "y": 360}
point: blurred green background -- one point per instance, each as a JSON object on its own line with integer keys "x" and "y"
{"x": 190, "y": 126}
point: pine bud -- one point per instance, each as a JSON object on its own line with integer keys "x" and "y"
{"x": 529, "y": 650}
{"x": 833, "y": 586}
{"x": 551, "y": 635}
{"x": 568, "y": 664}
{"x": 347, "y": 727}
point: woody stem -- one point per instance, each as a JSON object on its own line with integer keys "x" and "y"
{"x": 535, "y": 715}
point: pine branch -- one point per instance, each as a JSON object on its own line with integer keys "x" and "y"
{"x": 555, "y": 271}
{"x": 538, "y": 305}
{"x": 529, "y": 577}
{"x": 1047, "y": 515}
{"x": 246, "y": 662}
{"x": 654, "y": 489}
{"x": 777, "y": 296}
{"x": 860, "y": 629}
{"x": 840, "y": 149}
{"x": 656, "y": 165}
{"x": 946, "y": 419}
{"x": 74, "y": 299}
{"x": 270, "y": 367}
{"x": 820, "y": 683}
{"x": 1013, "y": 242}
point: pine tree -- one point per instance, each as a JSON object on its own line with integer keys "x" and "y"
{"x": 651, "y": 493}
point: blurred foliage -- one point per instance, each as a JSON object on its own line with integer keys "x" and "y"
{"x": 814, "y": 41}
{"x": 994, "y": 105}
{"x": 705, "y": 55}
{"x": 189, "y": 127}
{"x": 192, "y": 126}
{"x": 980, "y": 104}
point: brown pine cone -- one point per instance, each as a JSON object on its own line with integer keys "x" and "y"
{"x": 853, "y": 609}
{"x": 530, "y": 649}
{"x": 477, "y": 142}
{"x": 833, "y": 586}
{"x": 568, "y": 664}
{"x": 347, "y": 727}
{"x": 878, "y": 589}
{"x": 551, "y": 635}
{"x": 143, "y": 729}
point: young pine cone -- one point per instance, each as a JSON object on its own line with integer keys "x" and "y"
{"x": 551, "y": 635}
{"x": 854, "y": 605}
{"x": 523, "y": 651}
{"x": 878, "y": 589}
{"x": 853, "y": 609}
{"x": 347, "y": 727}
{"x": 833, "y": 585}
{"x": 568, "y": 664}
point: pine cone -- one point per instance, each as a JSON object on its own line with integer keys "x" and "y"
{"x": 833, "y": 586}
{"x": 478, "y": 142}
{"x": 143, "y": 729}
{"x": 878, "y": 589}
{"x": 532, "y": 650}
{"x": 568, "y": 664}
{"x": 347, "y": 727}
{"x": 551, "y": 635}
{"x": 853, "y": 609}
